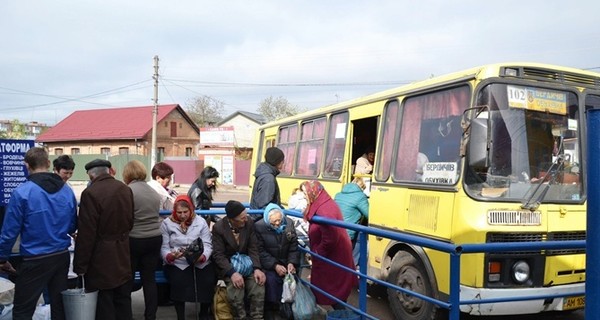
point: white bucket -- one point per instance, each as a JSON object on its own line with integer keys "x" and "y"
{"x": 79, "y": 305}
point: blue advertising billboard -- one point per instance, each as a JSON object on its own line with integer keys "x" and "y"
{"x": 12, "y": 165}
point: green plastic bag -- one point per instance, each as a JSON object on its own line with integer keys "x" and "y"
{"x": 305, "y": 303}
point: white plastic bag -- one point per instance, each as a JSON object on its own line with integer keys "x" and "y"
{"x": 289, "y": 288}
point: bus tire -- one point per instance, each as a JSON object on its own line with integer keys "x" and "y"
{"x": 408, "y": 272}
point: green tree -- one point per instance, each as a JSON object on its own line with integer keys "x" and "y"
{"x": 17, "y": 130}
{"x": 277, "y": 108}
{"x": 205, "y": 111}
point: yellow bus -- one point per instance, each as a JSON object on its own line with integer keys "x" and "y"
{"x": 490, "y": 154}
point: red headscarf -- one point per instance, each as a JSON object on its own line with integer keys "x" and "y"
{"x": 312, "y": 189}
{"x": 187, "y": 222}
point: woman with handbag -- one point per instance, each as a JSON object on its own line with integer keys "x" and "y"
{"x": 278, "y": 251}
{"x": 186, "y": 250}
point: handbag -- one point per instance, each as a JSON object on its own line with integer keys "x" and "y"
{"x": 305, "y": 303}
{"x": 221, "y": 306}
{"x": 242, "y": 264}
{"x": 193, "y": 251}
{"x": 285, "y": 310}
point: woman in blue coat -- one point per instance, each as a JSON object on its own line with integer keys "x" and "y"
{"x": 354, "y": 205}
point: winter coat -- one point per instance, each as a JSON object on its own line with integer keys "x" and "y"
{"x": 225, "y": 246}
{"x": 354, "y": 205}
{"x": 332, "y": 243}
{"x": 102, "y": 245}
{"x": 265, "y": 189}
{"x": 277, "y": 248}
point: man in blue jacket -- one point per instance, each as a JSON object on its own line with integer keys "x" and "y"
{"x": 43, "y": 211}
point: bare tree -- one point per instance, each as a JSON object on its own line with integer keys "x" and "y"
{"x": 205, "y": 111}
{"x": 277, "y": 108}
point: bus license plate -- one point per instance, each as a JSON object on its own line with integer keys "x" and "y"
{"x": 573, "y": 303}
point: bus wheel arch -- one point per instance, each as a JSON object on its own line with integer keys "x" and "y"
{"x": 410, "y": 268}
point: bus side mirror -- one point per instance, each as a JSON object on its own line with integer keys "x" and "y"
{"x": 479, "y": 143}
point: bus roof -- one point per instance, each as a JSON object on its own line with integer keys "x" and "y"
{"x": 542, "y": 71}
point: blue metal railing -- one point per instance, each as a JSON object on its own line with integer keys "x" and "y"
{"x": 454, "y": 251}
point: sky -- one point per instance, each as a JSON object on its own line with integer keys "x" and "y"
{"x": 58, "y": 56}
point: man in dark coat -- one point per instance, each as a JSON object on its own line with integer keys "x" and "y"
{"x": 231, "y": 235}
{"x": 102, "y": 244}
{"x": 265, "y": 189}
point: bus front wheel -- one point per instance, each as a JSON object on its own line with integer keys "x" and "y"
{"x": 408, "y": 272}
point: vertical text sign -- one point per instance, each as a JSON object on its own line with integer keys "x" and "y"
{"x": 12, "y": 166}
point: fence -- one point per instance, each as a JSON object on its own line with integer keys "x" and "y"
{"x": 454, "y": 252}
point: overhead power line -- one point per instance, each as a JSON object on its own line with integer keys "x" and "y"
{"x": 68, "y": 99}
{"x": 335, "y": 84}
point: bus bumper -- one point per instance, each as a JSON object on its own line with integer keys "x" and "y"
{"x": 521, "y": 307}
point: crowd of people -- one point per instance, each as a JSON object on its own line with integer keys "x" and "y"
{"x": 118, "y": 231}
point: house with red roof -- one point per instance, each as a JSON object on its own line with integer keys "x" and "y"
{"x": 120, "y": 131}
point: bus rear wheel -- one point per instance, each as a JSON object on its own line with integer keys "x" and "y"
{"x": 408, "y": 272}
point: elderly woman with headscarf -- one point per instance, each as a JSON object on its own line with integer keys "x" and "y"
{"x": 278, "y": 246}
{"x": 330, "y": 242}
{"x": 178, "y": 232}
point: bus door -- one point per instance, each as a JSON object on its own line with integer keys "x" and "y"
{"x": 364, "y": 139}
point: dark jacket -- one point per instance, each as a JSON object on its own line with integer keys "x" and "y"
{"x": 199, "y": 198}
{"x": 265, "y": 189}
{"x": 102, "y": 245}
{"x": 277, "y": 248}
{"x": 225, "y": 246}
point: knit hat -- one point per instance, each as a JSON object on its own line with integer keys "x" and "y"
{"x": 234, "y": 208}
{"x": 274, "y": 156}
{"x": 97, "y": 163}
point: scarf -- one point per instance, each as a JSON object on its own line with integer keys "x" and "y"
{"x": 313, "y": 189}
{"x": 183, "y": 224}
{"x": 269, "y": 211}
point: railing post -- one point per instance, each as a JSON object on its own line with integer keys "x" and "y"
{"x": 592, "y": 276}
{"x": 454, "y": 311}
{"x": 362, "y": 265}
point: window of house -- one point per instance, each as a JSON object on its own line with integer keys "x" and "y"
{"x": 336, "y": 145}
{"x": 166, "y": 124}
{"x": 310, "y": 148}
{"x": 287, "y": 143}
{"x": 161, "y": 152}
{"x": 105, "y": 151}
{"x": 181, "y": 126}
{"x": 75, "y": 151}
{"x": 58, "y": 151}
{"x": 188, "y": 152}
{"x": 123, "y": 150}
{"x": 173, "y": 129}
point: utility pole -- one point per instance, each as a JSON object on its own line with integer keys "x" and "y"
{"x": 154, "y": 113}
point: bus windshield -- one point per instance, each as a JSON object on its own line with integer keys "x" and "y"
{"x": 534, "y": 148}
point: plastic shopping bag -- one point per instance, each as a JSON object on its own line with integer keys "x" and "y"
{"x": 305, "y": 303}
{"x": 289, "y": 288}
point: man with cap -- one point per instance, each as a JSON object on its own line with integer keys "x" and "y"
{"x": 265, "y": 189}
{"x": 102, "y": 246}
{"x": 43, "y": 211}
{"x": 232, "y": 235}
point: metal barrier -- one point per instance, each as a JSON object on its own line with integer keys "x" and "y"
{"x": 454, "y": 251}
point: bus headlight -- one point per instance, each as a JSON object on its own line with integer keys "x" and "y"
{"x": 520, "y": 271}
